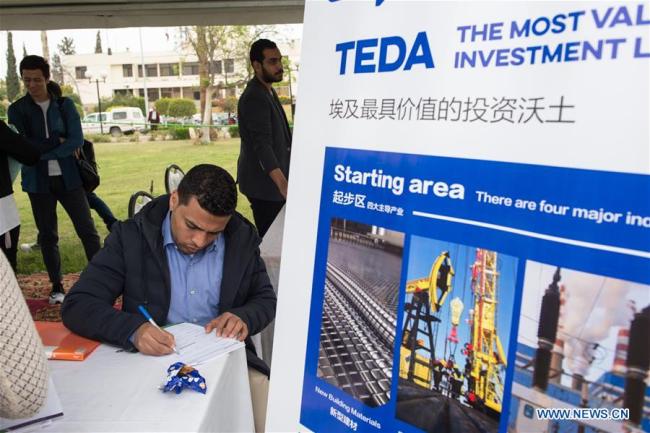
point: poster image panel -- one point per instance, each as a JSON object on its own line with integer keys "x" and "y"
{"x": 359, "y": 310}
{"x": 583, "y": 342}
{"x": 457, "y": 312}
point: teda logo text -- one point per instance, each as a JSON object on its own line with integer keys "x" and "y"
{"x": 386, "y": 54}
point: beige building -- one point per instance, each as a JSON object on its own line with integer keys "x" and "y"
{"x": 166, "y": 75}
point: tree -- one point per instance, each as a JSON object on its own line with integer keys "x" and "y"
{"x": 13, "y": 82}
{"x": 180, "y": 108}
{"x": 66, "y": 46}
{"x": 213, "y": 44}
{"x": 228, "y": 104}
{"x": 68, "y": 92}
{"x": 122, "y": 101}
{"x": 3, "y": 90}
{"x": 98, "y": 44}
{"x": 57, "y": 69}
{"x": 45, "y": 45}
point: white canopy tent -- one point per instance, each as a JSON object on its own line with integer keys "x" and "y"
{"x": 79, "y": 14}
{"x": 93, "y": 14}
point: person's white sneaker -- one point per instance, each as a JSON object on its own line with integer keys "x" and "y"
{"x": 27, "y": 248}
{"x": 56, "y": 298}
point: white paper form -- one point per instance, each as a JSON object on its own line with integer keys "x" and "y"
{"x": 196, "y": 347}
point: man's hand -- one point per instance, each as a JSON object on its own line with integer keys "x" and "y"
{"x": 280, "y": 181}
{"x": 228, "y": 325}
{"x": 150, "y": 340}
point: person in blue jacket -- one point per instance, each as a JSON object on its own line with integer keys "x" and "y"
{"x": 55, "y": 124}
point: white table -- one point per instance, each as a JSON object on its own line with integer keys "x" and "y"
{"x": 115, "y": 391}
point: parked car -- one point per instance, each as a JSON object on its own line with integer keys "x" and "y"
{"x": 118, "y": 121}
{"x": 218, "y": 119}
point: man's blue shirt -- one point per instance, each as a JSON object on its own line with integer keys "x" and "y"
{"x": 195, "y": 279}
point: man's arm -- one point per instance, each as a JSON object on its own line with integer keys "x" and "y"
{"x": 88, "y": 307}
{"x": 257, "y": 311}
{"x": 74, "y": 138}
{"x": 17, "y": 146}
{"x": 16, "y": 118}
{"x": 258, "y": 112}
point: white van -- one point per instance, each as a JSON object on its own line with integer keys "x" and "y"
{"x": 116, "y": 122}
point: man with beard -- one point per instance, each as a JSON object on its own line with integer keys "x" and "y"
{"x": 263, "y": 166}
{"x": 189, "y": 257}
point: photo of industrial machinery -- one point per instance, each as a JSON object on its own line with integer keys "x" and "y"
{"x": 359, "y": 316}
{"x": 455, "y": 329}
{"x": 583, "y": 343}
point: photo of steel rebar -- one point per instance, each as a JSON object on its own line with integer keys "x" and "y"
{"x": 359, "y": 313}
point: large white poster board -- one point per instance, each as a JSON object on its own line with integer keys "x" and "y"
{"x": 454, "y": 163}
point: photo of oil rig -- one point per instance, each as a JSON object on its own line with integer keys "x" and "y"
{"x": 583, "y": 342}
{"x": 457, "y": 313}
{"x": 359, "y": 317}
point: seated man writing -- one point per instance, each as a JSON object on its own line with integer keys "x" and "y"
{"x": 186, "y": 257}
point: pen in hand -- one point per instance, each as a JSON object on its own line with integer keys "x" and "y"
{"x": 147, "y": 316}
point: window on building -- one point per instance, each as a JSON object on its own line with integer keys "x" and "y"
{"x": 197, "y": 95}
{"x": 166, "y": 92}
{"x": 229, "y": 65}
{"x": 153, "y": 94}
{"x": 216, "y": 67}
{"x": 80, "y": 72}
{"x": 139, "y": 70}
{"x": 122, "y": 92}
{"x": 127, "y": 70}
{"x": 169, "y": 69}
{"x": 151, "y": 70}
{"x": 141, "y": 93}
{"x": 191, "y": 68}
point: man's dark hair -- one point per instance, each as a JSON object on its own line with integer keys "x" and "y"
{"x": 257, "y": 49}
{"x": 213, "y": 187}
{"x": 35, "y": 62}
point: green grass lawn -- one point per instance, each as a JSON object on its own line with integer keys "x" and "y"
{"x": 124, "y": 169}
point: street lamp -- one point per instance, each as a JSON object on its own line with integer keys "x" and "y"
{"x": 96, "y": 79}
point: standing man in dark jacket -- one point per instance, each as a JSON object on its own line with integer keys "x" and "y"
{"x": 263, "y": 166}
{"x": 188, "y": 257}
{"x": 14, "y": 146}
{"x": 55, "y": 124}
